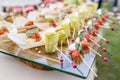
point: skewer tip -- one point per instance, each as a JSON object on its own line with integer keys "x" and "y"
{"x": 107, "y": 41}
{"x": 74, "y": 65}
{"x": 105, "y": 59}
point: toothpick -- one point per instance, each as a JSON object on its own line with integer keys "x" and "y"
{"x": 61, "y": 45}
{"x": 100, "y": 36}
{"x": 67, "y": 40}
{"x": 5, "y": 41}
{"x": 88, "y": 66}
{"x": 108, "y": 20}
{"x": 18, "y": 50}
{"x": 63, "y": 54}
{"x": 95, "y": 52}
{"x": 105, "y": 27}
{"x": 95, "y": 43}
{"x": 73, "y": 36}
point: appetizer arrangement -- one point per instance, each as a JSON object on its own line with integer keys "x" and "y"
{"x": 64, "y": 36}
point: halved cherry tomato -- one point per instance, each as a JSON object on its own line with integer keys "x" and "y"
{"x": 87, "y": 36}
{"x": 96, "y": 25}
{"x": 100, "y": 21}
{"x": 95, "y": 32}
{"x": 85, "y": 45}
{"x": 75, "y": 54}
{"x": 106, "y": 15}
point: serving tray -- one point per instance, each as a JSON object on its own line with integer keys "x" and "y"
{"x": 37, "y": 56}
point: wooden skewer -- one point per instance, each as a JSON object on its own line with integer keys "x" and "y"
{"x": 73, "y": 36}
{"x": 88, "y": 66}
{"x": 105, "y": 27}
{"x": 61, "y": 45}
{"x": 95, "y": 43}
{"x": 100, "y": 36}
{"x": 18, "y": 50}
{"x": 108, "y": 20}
{"x": 61, "y": 57}
{"x": 95, "y": 52}
{"x": 63, "y": 54}
{"x": 67, "y": 40}
{"x": 5, "y": 41}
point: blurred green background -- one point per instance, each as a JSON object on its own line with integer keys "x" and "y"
{"x": 105, "y": 70}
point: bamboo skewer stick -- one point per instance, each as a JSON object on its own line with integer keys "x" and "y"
{"x": 18, "y": 50}
{"x": 95, "y": 52}
{"x": 105, "y": 27}
{"x": 61, "y": 60}
{"x": 5, "y": 41}
{"x": 100, "y": 36}
{"x": 67, "y": 40}
{"x": 73, "y": 35}
{"x": 95, "y": 43}
{"x": 61, "y": 45}
{"x": 88, "y": 66}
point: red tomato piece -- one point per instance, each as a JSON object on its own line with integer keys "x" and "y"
{"x": 96, "y": 25}
{"x": 85, "y": 45}
{"x": 95, "y": 32}
{"x": 106, "y": 15}
{"x": 75, "y": 54}
{"x": 87, "y": 36}
{"x": 100, "y": 21}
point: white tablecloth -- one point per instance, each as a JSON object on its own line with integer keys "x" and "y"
{"x": 10, "y": 69}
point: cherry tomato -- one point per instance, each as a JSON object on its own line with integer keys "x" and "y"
{"x": 112, "y": 28}
{"x": 107, "y": 41}
{"x": 85, "y": 45}
{"x": 87, "y": 36}
{"x": 105, "y": 59}
{"x": 74, "y": 65}
{"x": 96, "y": 25}
{"x": 75, "y": 54}
{"x": 104, "y": 50}
{"x": 95, "y": 32}
{"x": 103, "y": 19}
{"x": 106, "y": 15}
{"x": 100, "y": 21}
{"x": 61, "y": 60}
